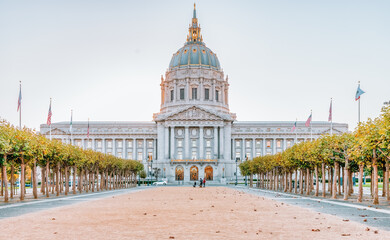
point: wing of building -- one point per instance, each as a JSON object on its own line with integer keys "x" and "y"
{"x": 194, "y": 135}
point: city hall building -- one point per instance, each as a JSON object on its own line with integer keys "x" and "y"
{"x": 194, "y": 135}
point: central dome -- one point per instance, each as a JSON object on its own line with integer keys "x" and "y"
{"x": 194, "y": 53}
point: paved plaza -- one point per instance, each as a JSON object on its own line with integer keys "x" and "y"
{"x": 183, "y": 213}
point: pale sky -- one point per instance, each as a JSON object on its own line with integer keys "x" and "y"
{"x": 104, "y": 59}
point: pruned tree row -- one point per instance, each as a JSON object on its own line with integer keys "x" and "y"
{"x": 64, "y": 168}
{"x": 326, "y": 165}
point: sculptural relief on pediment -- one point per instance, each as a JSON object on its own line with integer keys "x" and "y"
{"x": 194, "y": 114}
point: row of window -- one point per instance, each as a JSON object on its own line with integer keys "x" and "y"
{"x": 119, "y": 143}
{"x": 248, "y": 144}
{"x": 194, "y": 94}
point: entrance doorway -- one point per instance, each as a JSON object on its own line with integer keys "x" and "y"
{"x": 208, "y": 173}
{"x": 194, "y": 173}
{"x": 179, "y": 173}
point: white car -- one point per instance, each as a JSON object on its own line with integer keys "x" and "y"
{"x": 160, "y": 183}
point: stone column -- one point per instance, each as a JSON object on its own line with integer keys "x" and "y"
{"x": 114, "y": 146}
{"x": 93, "y": 144}
{"x": 124, "y": 152}
{"x": 284, "y": 144}
{"x": 173, "y": 143}
{"x": 83, "y": 143}
{"x": 222, "y": 142}
{"x": 253, "y": 148}
{"x": 154, "y": 149}
{"x": 160, "y": 142}
{"x": 201, "y": 141}
{"x": 166, "y": 141}
{"x": 145, "y": 152}
{"x": 186, "y": 142}
{"x": 103, "y": 145}
{"x": 263, "y": 151}
{"x": 243, "y": 150}
{"x": 215, "y": 142}
{"x": 274, "y": 146}
{"x": 228, "y": 137}
{"x": 134, "y": 149}
{"x": 234, "y": 148}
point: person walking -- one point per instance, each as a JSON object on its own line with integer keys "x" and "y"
{"x": 194, "y": 184}
{"x": 200, "y": 182}
{"x": 204, "y": 182}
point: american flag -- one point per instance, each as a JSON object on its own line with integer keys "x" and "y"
{"x": 295, "y": 126}
{"x": 20, "y": 97}
{"x": 49, "y": 115}
{"x": 330, "y": 112}
{"x": 308, "y": 121}
{"x": 88, "y": 129}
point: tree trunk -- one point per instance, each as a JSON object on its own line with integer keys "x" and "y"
{"x": 74, "y": 180}
{"x": 43, "y": 181}
{"x": 350, "y": 183}
{"x": 296, "y": 181}
{"x": 35, "y": 182}
{"x": 387, "y": 181}
{"x": 80, "y": 183}
{"x": 22, "y": 180}
{"x": 47, "y": 172}
{"x": 97, "y": 179}
{"x": 323, "y": 180}
{"x": 4, "y": 178}
{"x": 345, "y": 182}
{"x": 66, "y": 180}
{"x": 334, "y": 189}
{"x": 339, "y": 179}
{"x": 58, "y": 179}
{"x": 360, "y": 195}
{"x": 301, "y": 181}
{"x": 251, "y": 180}
{"x": 330, "y": 180}
{"x": 375, "y": 168}
{"x": 308, "y": 186}
{"x": 317, "y": 181}
{"x": 12, "y": 180}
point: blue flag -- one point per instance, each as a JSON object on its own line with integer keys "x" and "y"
{"x": 359, "y": 92}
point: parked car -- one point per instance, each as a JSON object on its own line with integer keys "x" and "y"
{"x": 160, "y": 183}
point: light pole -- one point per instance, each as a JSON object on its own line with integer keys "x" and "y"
{"x": 151, "y": 168}
{"x": 237, "y": 159}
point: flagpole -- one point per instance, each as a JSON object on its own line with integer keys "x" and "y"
{"x": 331, "y": 119}
{"x": 359, "y": 105}
{"x": 311, "y": 133}
{"x": 20, "y": 110}
{"x": 50, "y": 120}
{"x": 296, "y": 134}
{"x": 71, "y": 127}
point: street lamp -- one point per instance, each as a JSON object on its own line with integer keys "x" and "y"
{"x": 151, "y": 168}
{"x": 237, "y": 159}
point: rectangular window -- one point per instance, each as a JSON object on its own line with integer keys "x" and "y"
{"x": 207, "y": 94}
{"x": 179, "y": 154}
{"x": 238, "y": 155}
{"x": 139, "y": 157}
{"x": 130, "y": 144}
{"x": 109, "y": 144}
{"x": 258, "y": 154}
{"x": 78, "y": 143}
{"x": 278, "y": 143}
{"x": 89, "y": 144}
{"x": 181, "y": 93}
{"x": 258, "y": 144}
{"x": 129, "y": 154}
{"x": 248, "y": 144}
{"x": 194, "y": 143}
{"x": 179, "y": 143}
{"x": 99, "y": 144}
{"x": 194, "y": 93}
{"x": 248, "y": 155}
{"x": 150, "y": 144}
{"x": 119, "y": 144}
{"x": 150, "y": 156}
{"x": 208, "y": 143}
{"x": 288, "y": 143}
{"x": 172, "y": 95}
{"x": 208, "y": 154}
{"x": 268, "y": 143}
{"x": 238, "y": 143}
{"x": 119, "y": 154}
{"x": 139, "y": 143}
{"x": 194, "y": 155}
{"x": 216, "y": 95}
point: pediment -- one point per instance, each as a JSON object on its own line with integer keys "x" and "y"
{"x": 56, "y": 131}
{"x": 194, "y": 113}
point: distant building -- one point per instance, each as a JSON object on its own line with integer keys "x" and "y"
{"x": 194, "y": 135}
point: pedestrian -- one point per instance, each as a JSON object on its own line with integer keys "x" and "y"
{"x": 204, "y": 182}
{"x": 194, "y": 183}
{"x": 200, "y": 182}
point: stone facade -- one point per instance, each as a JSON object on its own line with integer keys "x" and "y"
{"x": 194, "y": 135}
